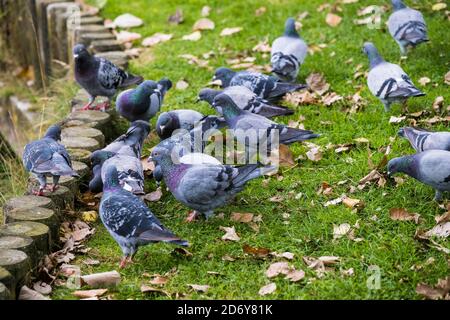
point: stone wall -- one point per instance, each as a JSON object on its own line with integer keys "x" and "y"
{"x": 31, "y": 223}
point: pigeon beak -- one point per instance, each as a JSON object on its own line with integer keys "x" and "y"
{"x": 75, "y": 56}
{"x": 161, "y": 128}
{"x": 389, "y": 174}
{"x": 197, "y": 100}
{"x": 150, "y": 159}
{"x": 214, "y": 78}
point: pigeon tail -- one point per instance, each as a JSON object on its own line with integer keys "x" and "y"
{"x": 131, "y": 80}
{"x": 294, "y": 135}
{"x": 274, "y": 111}
{"x": 246, "y": 173}
{"x": 281, "y": 88}
{"x": 158, "y": 234}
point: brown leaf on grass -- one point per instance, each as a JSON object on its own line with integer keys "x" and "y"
{"x": 438, "y": 103}
{"x": 402, "y": 214}
{"x": 199, "y": 287}
{"x": 149, "y": 289}
{"x": 350, "y": 272}
{"x": 230, "y": 234}
{"x": 260, "y": 11}
{"x": 341, "y": 230}
{"x": 182, "y": 251}
{"x": 147, "y": 166}
{"x": 447, "y": 78}
{"x": 177, "y": 17}
{"x": 126, "y": 36}
{"x": 153, "y": 196}
{"x": 203, "y": 24}
{"x": 333, "y": 20}
{"x": 181, "y": 85}
{"x": 285, "y": 156}
{"x": 241, "y": 217}
{"x": 277, "y": 198}
{"x": 295, "y": 275}
{"x": 286, "y": 255}
{"x": 394, "y": 119}
{"x": 89, "y": 293}
{"x": 439, "y": 6}
{"x": 441, "y": 230}
{"x": 325, "y": 189}
{"x": 443, "y": 217}
{"x": 195, "y": 36}
{"x": 314, "y": 153}
{"x": 330, "y": 98}
{"x": 267, "y": 289}
{"x": 159, "y": 280}
{"x": 277, "y": 268}
{"x": 439, "y": 291}
{"x": 262, "y": 46}
{"x": 257, "y": 252}
{"x": 352, "y": 203}
{"x": 228, "y": 258}
{"x": 317, "y": 83}
{"x": 155, "y": 39}
{"x": 229, "y": 31}
{"x": 42, "y": 287}
{"x": 89, "y": 216}
{"x": 424, "y": 81}
{"x": 301, "y": 98}
{"x": 423, "y": 236}
{"x": 191, "y": 59}
{"x": 91, "y": 262}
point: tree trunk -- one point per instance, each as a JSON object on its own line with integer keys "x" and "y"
{"x": 17, "y": 263}
{"x": 22, "y": 243}
{"x": 39, "y": 232}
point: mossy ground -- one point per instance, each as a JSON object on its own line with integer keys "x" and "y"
{"x": 308, "y": 231}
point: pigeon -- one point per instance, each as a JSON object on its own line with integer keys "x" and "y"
{"x": 131, "y": 142}
{"x": 143, "y": 102}
{"x": 406, "y": 26}
{"x": 431, "y": 167}
{"x": 245, "y": 99}
{"x": 170, "y": 121}
{"x": 247, "y": 123}
{"x": 100, "y": 77}
{"x": 422, "y": 140}
{"x": 129, "y": 221}
{"x": 266, "y": 87}
{"x": 203, "y": 187}
{"x": 129, "y": 168}
{"x": 288, "y": 53}
{"x": 46, "y": 157}
{"x": 387, "y": 81}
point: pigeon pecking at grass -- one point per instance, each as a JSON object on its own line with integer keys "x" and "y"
{"x": 203, "y": 187}
{"x": 387, "y": 81}
{"x": 172, "y": 120}
{"x": 406, "y": 26}
{"x": 143, "y": 102}
{"x": 288, "y": 53}
{"x": 266, "y": 87}
{"x": 131, "y": 142}
{"x": 245, "y": 99}
{"x": 431, "y": 167}
{"x": 100, "y": 77}
{"x": 422, "y": 140}
{"x": 129, "y": 221}
{"x": 46, "y": 157}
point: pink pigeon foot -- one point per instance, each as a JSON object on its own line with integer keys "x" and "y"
{"x": 192, "y": 216}
{"x": 123, "y": 262}
{"x": 39, "y": 192}
{"x": 87, "y": 106}
{"x": 102, "y": 106}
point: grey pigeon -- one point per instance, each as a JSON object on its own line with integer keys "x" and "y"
{"x": 247, "y": 123}
{"x": 245, "y": 99}
{"x": 143, "y": 102}
{"x": 170, "y": 121}
{"x": 129, "y": 221}
{"x": 132, "y": 141}
{"x": 46, "y": 157}
{"x": 406, "y": 26}
{"x": 422, "y": 140}
{"x": 288, "y": 53}
{"x": 387, "y": 81}
{"x": 99, "y": 77}
{"x": 266, "y": 87}
{"x": 431, "y": 167}
{"x": 203, "y": 187}
{"x": 129, "y": 168}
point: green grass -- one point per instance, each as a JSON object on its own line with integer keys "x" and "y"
{"x": 309, "y": 231}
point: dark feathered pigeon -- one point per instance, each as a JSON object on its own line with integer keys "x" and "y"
{"x": 406, "y": 26}
{"x": 267, "y": 87}
{"x": 170, "y": 121}
{"x": 129, "y": 221}
{"x": 387, "y": 81}
{"x": 422, "y": 140}
{"x": 143, "y": 102}
{"x": 288, "y": 53}
{"x": 245, "y": 99}
{"x": 131, "y": 142}
{"x": 46, "y": 157}
{"x": 431, "y": 167}
{"x": 100, "y": 77}
{"x": 203, "y": 187}
{"x": 247, "y": 125}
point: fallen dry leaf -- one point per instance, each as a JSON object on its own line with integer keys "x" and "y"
{"x": 177, "y": 17}
{"x": 333, "y": 20}
{"x": 182, "y": 85}
{"x": 317, "y": 83}
{"x": 438, "y": 6}
{"x": 153, "y": 196}
{"x": 89, "y": 216}
{"x": 439, "y": 291}
{"x": 42, "y": 287}
{"x": 260, "y": 11}
{"x": 203, "y": 24}
{"x": 149, "y": 289}
{"x": 330, "y": 98}
{"x": 262, "y": 46}
{"x": 438, "y": 103}
{"x": 30, "y": 294}
{"x": 147, "y": 166}
{"x": 277, "y": 268}
{"x": 295, "y": 275}
{"x": 348, "y": 273}
{"x": 447, "y": 78}
{"x": 352, "y": 203}
{"x": 424, "y": 81}
{"x": 286, "y": 255}
{"x": 159, "y": 280}
{"x": 155, "y": 39}
{"x": 199, "y": 287}
{"x": 182, "y": 251}
{"x": 402, "y": 214}
{"x": 241, "y": 217}
{"x": 230, "y": 234}
{"x": 441, "y": 230}
{"x": 205, "y": 11}
{"x": 443, "y": 217}
{"x": 195, "y": 36}
{"x": 257, "y": 252}
{"x": 394, "y": 119}
{"x": 341, "y": 230}
{"x": 89, "y": 293}
{"x": 229, "y": 31}
{"x": 126, "y": 36}
{"x": 314, "y": 153}
{"x": 267, "y": 289}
